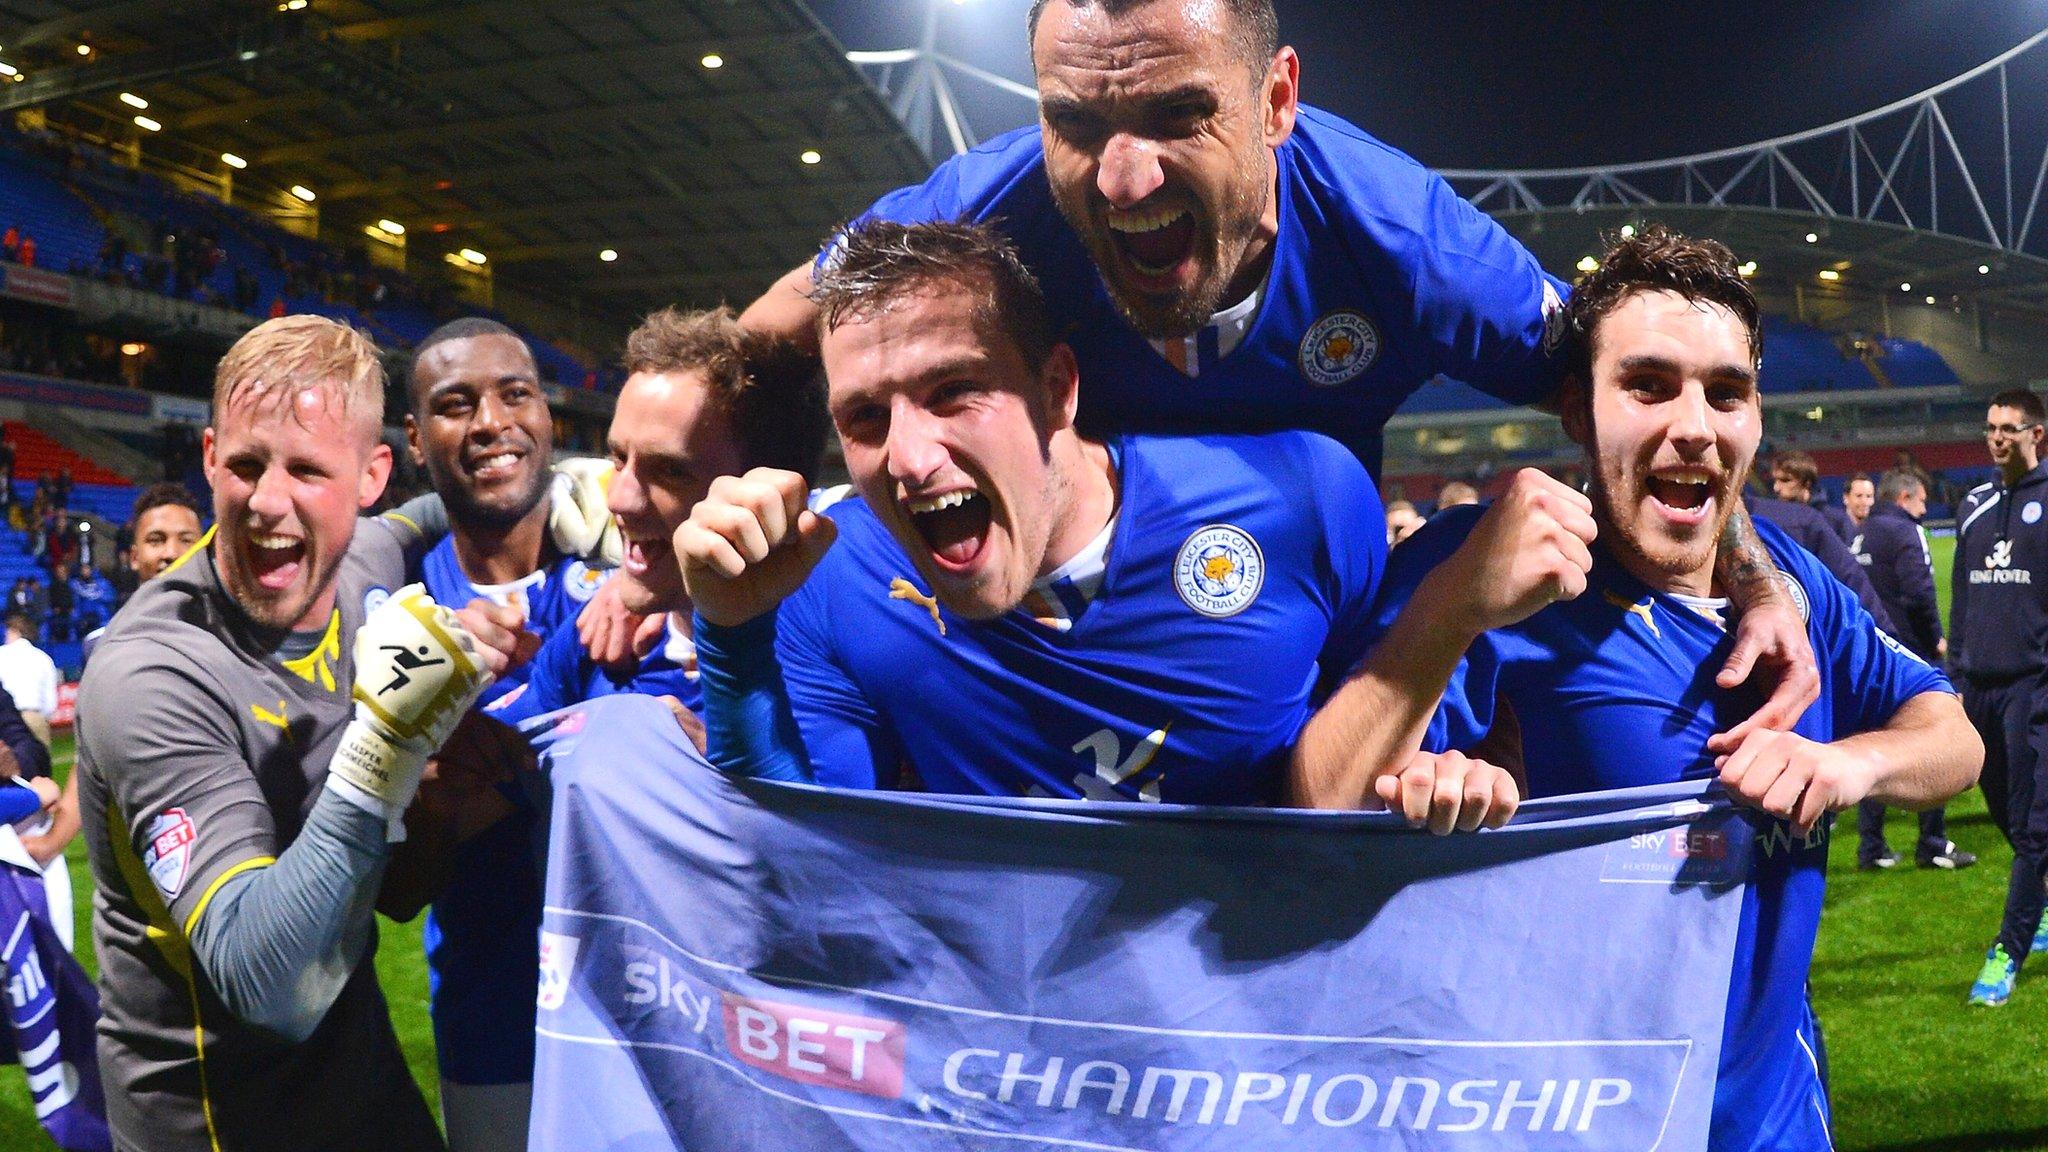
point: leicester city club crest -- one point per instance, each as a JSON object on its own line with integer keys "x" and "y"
{"x": 1219, "y": 570}
{"x": 581, "y": 581}
{"x": 1337, "y": 348}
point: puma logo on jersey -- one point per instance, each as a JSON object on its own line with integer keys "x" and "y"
{"x": 277, "y": 719}
{"x": 901, "y": 589}
{"x": 1634, "y": 609}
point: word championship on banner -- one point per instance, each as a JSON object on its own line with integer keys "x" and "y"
{"x": 737, "y": 964}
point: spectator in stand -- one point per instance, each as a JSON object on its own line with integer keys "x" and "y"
{"x": 29, "y": 675}
{"x": 1858, "y": 496}
{"x": 1455, "y": 493}
{"x": 60, "y": 489}
{"x": 63, "y": 604}
{"x": 1892, "y": 547}
{"x": 60, "y": 541}
{"x": 26, "y": 255}
{"x": 1794, "y": 477}
{"x": 28, "y": 599}
{"x": 6, "y": 474}
{"x": 94, "y": 595}
{"x": 10, "y": 243}
{"x": 35, "y": 524}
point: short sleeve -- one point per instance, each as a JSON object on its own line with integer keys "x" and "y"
{"x": 1480, "y": 301}
{"x": 845, "y": 738}
{"x": 180, "y": 791}
{"x": 1355, "y": 548}
{"x": 968, "y": 187}
{"x": 1870, "y": 675}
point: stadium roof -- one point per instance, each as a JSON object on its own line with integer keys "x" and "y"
{"x": 709, "y": 143}
{"x": 1866, "y": 256}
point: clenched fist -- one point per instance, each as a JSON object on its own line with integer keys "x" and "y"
{"x": 1531, "y": 549}
{"x": 749, "y": 544}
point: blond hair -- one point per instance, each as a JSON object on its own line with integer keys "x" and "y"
{"x": 290, "y": 355}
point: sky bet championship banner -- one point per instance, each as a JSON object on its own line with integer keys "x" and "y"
{"x": 736, "y": 965}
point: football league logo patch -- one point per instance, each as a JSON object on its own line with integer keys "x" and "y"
{"x": 2032, "y": 512}
{"x": 1337, "y": 348}
{"x": 168, "y": 856}
{"x": 375, "y": 598}
{"x": 557, "y": 964}
{"x": 1219, "y": 570}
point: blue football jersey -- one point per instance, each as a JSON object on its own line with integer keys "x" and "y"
{"x": 1615, "y": 689}
{"x": 1228, "y": 595}
{"x": 1382, "y": 280}
{"x": 482, "y": 935}
{"x": 563, "y": 674}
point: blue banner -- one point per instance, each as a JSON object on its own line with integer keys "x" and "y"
{"x": 733, "y": 964}
{"x": 52, "y": 1011}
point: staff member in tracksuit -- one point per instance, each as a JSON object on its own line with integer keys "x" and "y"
{"x": 1999, "y": 647}
{"x": 1892, "y": 548}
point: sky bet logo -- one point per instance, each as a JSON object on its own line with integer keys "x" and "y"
{"x": 811, "y": 1046}
{"x": 1681, "y": 855}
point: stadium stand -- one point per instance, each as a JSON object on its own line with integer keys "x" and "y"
{"x": 92, "y": 217}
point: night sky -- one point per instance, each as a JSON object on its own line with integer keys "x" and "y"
{"x": 1544, "y": 82}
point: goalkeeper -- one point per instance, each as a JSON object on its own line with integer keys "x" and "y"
{"x": 252, "y": 728}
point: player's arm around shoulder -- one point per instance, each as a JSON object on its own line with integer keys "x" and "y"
{"x": 1363, "y": 748}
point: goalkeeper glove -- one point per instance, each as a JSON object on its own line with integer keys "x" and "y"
{"x": 578, "y": 519}
{"x": 416, "y": 672}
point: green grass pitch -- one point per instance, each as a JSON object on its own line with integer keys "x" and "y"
{"x": 1912, "y": 1069}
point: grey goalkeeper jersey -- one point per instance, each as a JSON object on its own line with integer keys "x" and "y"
{"x": 203, "y": 742}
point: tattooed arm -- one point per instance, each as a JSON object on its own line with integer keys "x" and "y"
{"x": 1770, "y": 635}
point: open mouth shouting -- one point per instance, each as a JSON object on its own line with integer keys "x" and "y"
{"x": 641, "y": 554}
{"x": 1158, "y": 243}
{"x": 1683, "y": 495}
{"x": 275, "y": 559}
{"x": 954, "y": 526}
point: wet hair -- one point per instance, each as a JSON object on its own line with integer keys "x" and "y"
{"x": 768, "y": 390}
{"x": 877, "y": 262}
{"x": 1655, "y": 259}
{"x": 1256, "y": 31}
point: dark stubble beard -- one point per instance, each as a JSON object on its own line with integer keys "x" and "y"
{"x": 468, "y": 512}
{"x": 1623, "y": 547}
{"x": 1228, "y": 237}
